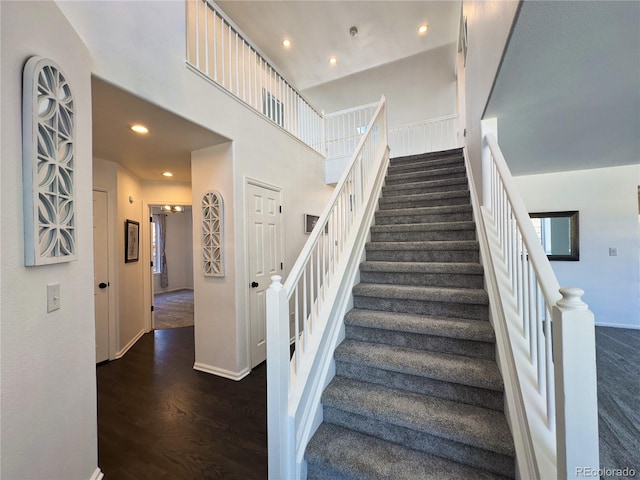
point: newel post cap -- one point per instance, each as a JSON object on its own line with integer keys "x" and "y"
{"x": 572, "y": 299}
{"x": 276, "y": 282}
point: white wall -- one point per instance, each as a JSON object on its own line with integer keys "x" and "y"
{"x": 47, "y": 360}
{"x": 488, "y": 26}
{"x": 607, "y": 199}
{"x": 417, "y": 88}
{"x": 131, "y": 314}
{"x": 260, "y": 149}
{"x": 179, "y": 252}
{"x": 219, "y": 343}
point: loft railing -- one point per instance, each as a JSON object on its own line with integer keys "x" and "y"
{"x": 432, "y": 135}
{"x": 315, "y": 295}
{"x": 217, "y": 49}
{"x": 546, "y": 336}
{"x": 344, "y": 128}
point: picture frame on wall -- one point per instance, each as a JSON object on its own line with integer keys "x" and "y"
{"x": 310, "y": 222}
{"x": 131, "y": 241}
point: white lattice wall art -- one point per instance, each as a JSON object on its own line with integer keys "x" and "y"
{"x": 212, "y": 223}
{"x": 48, "y": 164}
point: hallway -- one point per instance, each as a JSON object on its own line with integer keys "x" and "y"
{"x": 160, "y": 419}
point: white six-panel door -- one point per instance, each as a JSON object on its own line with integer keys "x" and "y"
{"x": 265, "y": 259}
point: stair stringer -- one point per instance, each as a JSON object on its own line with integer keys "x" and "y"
{"x": 307, "y": 412}
{"x": 532, "y": 461}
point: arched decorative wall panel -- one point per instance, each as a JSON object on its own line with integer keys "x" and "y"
{"x": 212, "y": 235}
{"x": 48, "y": 130}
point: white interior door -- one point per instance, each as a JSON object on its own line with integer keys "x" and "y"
{"x": 265, "y": 259}
{"x": 101, "y": 274}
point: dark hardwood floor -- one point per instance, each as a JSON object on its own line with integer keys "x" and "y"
{"x": 160, "y": 419}
{"x": 618, "y": 363}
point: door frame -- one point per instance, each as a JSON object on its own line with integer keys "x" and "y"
{"x": 247, "y": 273}
{"x": 145, "y": 247}
{"x": 113, "y": 271}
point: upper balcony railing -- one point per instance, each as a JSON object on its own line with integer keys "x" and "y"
{"x": 432, "y": 135}
{"x": 219, "y": 50}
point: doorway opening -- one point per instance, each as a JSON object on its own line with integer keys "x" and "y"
{"x": 171, "y": 266}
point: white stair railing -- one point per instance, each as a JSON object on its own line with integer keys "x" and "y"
{"x": 432, "y": 135}
{"x": 545, "y": 336}
{"x": 315, "y": 295}
{"x": 218, "y": 50}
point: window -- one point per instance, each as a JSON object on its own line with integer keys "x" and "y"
{"x": 155, "y": 251}
{"x": 272, "y": 108}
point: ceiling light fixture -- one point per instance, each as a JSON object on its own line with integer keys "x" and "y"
{"x": 333, "y": 60}
{"x": 141, "y": 129}
{"x": 172, "y": 209}
{"x": 286, "y": 43}
{"x": 423, "y": 29}
{"x": 167, "y": 174}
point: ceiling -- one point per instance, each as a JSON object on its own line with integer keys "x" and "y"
{"x": 167, "y": 146}
{"x": 387, "y": 31}
{"x": 567, "y": 96}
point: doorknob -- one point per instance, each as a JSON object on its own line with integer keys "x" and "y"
{"x": 103, "y": 285}
{"x": 254, "y": 284}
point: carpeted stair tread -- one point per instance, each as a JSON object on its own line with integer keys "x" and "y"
{"x": 457, "y": 152}
{"x": 423, "y": 267}
{"x": 438, "y": 210}
{"x": 434, "y": 294}
{"x": 337, "y": 453}
{"x": 460, "y": 197}
{"x": 466, "y": 424}
{"x": 460, "y": 328}
{"x": 425, "y": 186}
{"x": 474, "y": 372}
{"x": 431, "y": 174}
{"x": 435, "y": 274}
{"x": 423, "y": 227}
{"x": 471, "y": 245}
{"x": 424, "y": 164}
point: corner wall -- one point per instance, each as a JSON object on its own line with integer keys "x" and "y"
{"x": 47, "y": 360}
{"x": 607, "y": 199}
{"x": 488, "y": 27}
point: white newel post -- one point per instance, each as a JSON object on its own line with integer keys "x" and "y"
{"x": 280, "y": 443}
{"x": 576, "y": 387}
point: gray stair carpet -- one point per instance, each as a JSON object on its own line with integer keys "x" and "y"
{"x": 417, "y": 392}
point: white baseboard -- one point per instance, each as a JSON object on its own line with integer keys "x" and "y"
{"x": 97, "y": 475}
{"x": 618, "y": 325}
{"x": 171, "y": 290}
{"x": 221, "y": 372}
{"x": 131, "y": 343}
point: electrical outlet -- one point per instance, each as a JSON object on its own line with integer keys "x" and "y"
{"x": 613, "y": 252}
{"x": 53, "y": 297}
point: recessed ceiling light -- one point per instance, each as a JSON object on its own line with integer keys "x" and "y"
{"x": 141, "y": 129}
{"x": 286, "y": 43}
{"x": 423, "y": 29}
{"x": 333, "y": 60}
{"x": 167, "y": 174}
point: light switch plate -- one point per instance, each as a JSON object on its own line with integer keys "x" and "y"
{"x": 53, "y": 297}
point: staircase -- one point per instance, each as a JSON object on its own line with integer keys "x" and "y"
{"x": 417, "y": 392}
